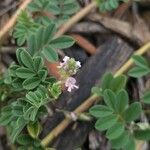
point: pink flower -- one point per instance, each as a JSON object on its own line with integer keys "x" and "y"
{"x": 71, "y": 84}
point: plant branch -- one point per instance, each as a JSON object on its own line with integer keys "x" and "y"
{"x": 77, "y": 17}
{"x": 13, "y": 19}
{"x": 90, "y": 101}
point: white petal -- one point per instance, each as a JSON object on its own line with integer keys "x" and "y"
{"x": 66, "y": 58}
{"x": 76, "y": 86}
{"x": 78, "y": 63}
{"x": 69, "y": 89}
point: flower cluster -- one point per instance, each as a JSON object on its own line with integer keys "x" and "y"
{"x": 68, "y": 68}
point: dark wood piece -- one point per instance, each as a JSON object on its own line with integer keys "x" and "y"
{"x": 110, "y": 57}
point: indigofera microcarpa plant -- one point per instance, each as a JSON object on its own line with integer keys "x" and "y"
{"x": 117, "y": 116}
{"x": 30, "y": 78}
{"x": 26, "y": 88}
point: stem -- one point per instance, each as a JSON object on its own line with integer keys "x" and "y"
{"x": 77, "y": 17}
{"x": 90, "y": 101}
{"x": 129, "y": 63}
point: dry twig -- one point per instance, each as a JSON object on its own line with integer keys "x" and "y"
{"x": 77, "y": 17}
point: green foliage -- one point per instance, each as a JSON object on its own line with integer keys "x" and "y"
{"x": 5, "y": 90}
{"x": 142, "y": 67}
{"x": 133, "y": 112}
{"x": 108, "y": 5}
{"x": 61, "y": 10}
{"x": 28, "y": 74}
{"x": 146, "y": 97}
{"x": 39, "y": 97}
{"x": 18, "y": 114}
{"x": 142, "y": 134}
{"x": 30, "y": 78}
{"x": 121, "y": 141}
{"x": 100, "y": 111}
{"x": 130, "y": 144}
{"x": 34, "y": 129}
{"x": 27, "y": 88}
{"x": 26, "y": 142}
{"x": 12, "y": 117}
{"x": 42, "y": 42}
{"x": 54, "y": 90}
{"x": 106, "y": 122}
{"x": 25, "y": 26}
{"x": 109, "y": 82}
{"x": 115, "y": 131}
{"x": 116, "y": 114}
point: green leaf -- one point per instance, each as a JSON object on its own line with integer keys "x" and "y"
{"x": 33, "y": 99}
{"x": 41, "y": 38}
{"x": 106, "y": 80}
{"x": 18, "y": 52}
{"x": 142, "y": 134}
{"x": 115, "y": 131}
{"x": 106, "y": 122}
{"x": 18, "y": 127}
{"x": 100, "y": 111}
{"x": 34, "y": 129}
{"x": 28, "y": 114}
{"x": 6, "y": 116}
{"x": 50, "y": 54}
{"x": 38, "y": 63}
{"x": 133, "y": 112}
{"x": 26, "y": 59}
{"x": 140, "y": 61}
{"x": 110, "y": 99}
{"x": 108, "y": 6}
{"x": 131, "y": 144}
{"x": 34, "y": 113}
{"x": 24, "y": 139}
{"x": 24, "y": 73}
{"x": 31, "y": 83}
{"x": 24, "y": 27}
{"x": 97, "y": 91}
{"x": 5, "y": 119}
{"x": 42, "y": 90}
{"x": 146, "y": 97}
{"x": 70, "y": 8}
{"x": 17, "y": 84}
{"x": 12, "y": 70}
{"x": 113, "y": 4}
{"x": 31, "y": 44}
{"x": 138, "y": 72}
{"x": 118, "y": 83}
{"x": 54, "y": 90}
{"x": 122, "y": 101}
{"x": 49, "y": 32}
{"x": 42, "y": 74}
{"x": 121, "y": 141}
{"x": 62, "y": 42}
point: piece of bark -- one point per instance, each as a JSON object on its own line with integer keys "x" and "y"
{"x": 88, "y": 28}
{"x": 139, "y": 33}
{"x": 112, "y": 56}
